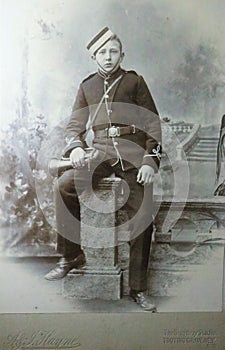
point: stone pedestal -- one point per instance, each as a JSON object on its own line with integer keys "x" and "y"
{"x": 102, "y": 276}
{"x": 124, "y": 260}
{"x": 123, "y": 237}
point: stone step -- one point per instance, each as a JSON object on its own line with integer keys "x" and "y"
{"x": 208, "y": 140}
{"x": 204, "y": 147}
{"x": 202, "y": 155}
{"x": 206, "y": 143}
{"x": 203, "y": 150}
{"x": 200, "y": 159}
{"x": 196, "y": 157}
{"x": 211, "y": 138}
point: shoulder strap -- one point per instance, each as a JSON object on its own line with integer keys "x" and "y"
{"x": 92, "y": 119}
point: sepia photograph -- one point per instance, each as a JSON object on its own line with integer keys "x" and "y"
{"x": 112, "y": 178}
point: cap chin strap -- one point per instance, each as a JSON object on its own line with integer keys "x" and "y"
{"x": 108, "y": 73}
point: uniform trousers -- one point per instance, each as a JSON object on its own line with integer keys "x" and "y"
{"x": 139, "y": 205}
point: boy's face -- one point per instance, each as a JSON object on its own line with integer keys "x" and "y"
{"x": 108, "y": 56}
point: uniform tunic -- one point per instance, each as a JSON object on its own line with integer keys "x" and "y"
{"x": 131, "y": 103}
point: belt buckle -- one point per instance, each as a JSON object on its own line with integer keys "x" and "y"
{"x": 113, "y": 131}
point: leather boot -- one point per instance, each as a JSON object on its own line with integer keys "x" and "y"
{"x": 64, "y": 266}
{"x": 143, "y": 301}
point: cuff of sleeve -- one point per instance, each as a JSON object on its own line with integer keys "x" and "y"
{"x": 149, "y": 160}
{"x": 74, "y": 144}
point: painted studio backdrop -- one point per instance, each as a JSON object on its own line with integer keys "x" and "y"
{"x": 176, "y": 45}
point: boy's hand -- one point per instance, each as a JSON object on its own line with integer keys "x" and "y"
{"x": 145, "y": 175}
{"x": 77, "y": 157}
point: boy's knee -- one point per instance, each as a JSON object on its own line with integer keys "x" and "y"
{"x": 64, "y": 183}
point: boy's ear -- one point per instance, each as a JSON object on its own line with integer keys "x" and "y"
{"x": 93, "y": 57}
{"x": 122, "y": 56}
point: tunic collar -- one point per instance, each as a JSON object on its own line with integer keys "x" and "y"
{"x": 112, "y": 76}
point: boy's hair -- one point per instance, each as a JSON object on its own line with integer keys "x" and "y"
{"x": 113, "y": 37}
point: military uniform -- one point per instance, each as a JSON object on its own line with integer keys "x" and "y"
{"x": 128, "y": 110}
{"x": 220, "y": 164}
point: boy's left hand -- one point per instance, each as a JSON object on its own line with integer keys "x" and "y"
{"x": 145, "y": 175}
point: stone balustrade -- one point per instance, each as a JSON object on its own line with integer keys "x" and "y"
{"x": 181, "y": 128}
{"x": 188, "y": 251}
{"x": 187, "y": 143}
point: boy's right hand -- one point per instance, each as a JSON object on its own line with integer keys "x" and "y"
{"x": 77, "y": 157}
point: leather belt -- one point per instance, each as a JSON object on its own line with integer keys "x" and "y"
{"x": 116, "y": 131}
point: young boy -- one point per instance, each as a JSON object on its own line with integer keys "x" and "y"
{"x": 127, "y": 138}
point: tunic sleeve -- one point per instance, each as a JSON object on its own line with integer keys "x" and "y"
{"x": 152, "y": 126}
{"x": 76, "y": 127}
